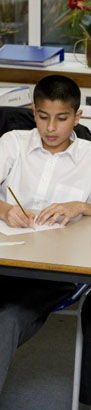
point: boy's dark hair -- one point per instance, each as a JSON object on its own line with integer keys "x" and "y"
{"x": 57, "y": 87}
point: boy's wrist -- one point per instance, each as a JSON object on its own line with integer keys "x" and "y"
{"x": 86, "y": 209}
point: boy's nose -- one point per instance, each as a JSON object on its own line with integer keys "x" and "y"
{"x": 51, "y": 125}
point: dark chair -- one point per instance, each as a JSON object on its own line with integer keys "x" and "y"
{"x": 16, "y": 118}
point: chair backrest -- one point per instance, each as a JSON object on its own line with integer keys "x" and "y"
{"x": 16, "y": 118}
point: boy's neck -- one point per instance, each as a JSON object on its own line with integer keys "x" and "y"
{"x": 55, "y": 150}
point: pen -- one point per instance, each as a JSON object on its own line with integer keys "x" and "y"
{"x": 14, "y": 196}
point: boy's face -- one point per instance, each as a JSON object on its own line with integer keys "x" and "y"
{"x": 55, "y": 121}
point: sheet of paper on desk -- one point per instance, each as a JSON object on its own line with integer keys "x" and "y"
{"x": 7, "y": 230}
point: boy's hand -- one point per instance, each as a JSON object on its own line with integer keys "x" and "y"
{"x": 53, "y": 212}
{"x": 15, "y": 218}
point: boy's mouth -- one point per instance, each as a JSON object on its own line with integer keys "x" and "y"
{"x": 51, "y": 137}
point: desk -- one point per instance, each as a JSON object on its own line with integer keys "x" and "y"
{"x": 59, "y": 254}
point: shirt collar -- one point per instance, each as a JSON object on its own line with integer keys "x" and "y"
{"x": 72, "y": 150}
{"x": 35, "y": 141}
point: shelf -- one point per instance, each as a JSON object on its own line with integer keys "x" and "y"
{"x": 78, "y": 71}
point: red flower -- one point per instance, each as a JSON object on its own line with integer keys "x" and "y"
{"x": 77, "y": 4}
{"x": 73, "y": 4}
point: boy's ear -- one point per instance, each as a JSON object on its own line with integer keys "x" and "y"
{"x": 78, "y": 116}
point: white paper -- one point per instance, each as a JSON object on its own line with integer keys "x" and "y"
{"x": 7, "y": 230}
{"x": 11, "y": 243}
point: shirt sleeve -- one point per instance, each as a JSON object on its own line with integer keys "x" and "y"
{"x": 8, "y": 153}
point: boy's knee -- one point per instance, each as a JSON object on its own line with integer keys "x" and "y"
{"x": 21, "y": 323}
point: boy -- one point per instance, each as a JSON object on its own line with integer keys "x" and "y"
{"x": 48, "y": 168}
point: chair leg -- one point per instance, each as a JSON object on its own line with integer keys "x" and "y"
{"x": 77, "y": 364}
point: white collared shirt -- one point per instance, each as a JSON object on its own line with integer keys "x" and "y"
{"x": 39, "y": 178}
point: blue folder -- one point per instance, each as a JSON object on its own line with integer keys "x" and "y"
{"x": 30, "y": 55}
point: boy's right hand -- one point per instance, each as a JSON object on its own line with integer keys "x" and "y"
{"x": 14, "y": 216}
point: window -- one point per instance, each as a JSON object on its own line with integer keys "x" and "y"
{"x": 20, "y": 22}
{"x": 65, "y": 22}
{"x": 13, "y": 21}
{"x": 45, "y": 22}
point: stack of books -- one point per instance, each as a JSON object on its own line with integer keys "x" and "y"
{"x": 13, "y": 54}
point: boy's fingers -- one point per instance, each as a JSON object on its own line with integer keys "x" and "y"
{"x": 64, "y": 222}
{"x": 56, "y": 210}
{"x": 54, "y": 219}
{"x": 46, "y": 214}
{"x": 30, "y": 219}
{"x": 16, "y": 218}
{"x": 43, "y": 218}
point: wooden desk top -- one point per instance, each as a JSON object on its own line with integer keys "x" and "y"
{"x": 58, "y": 250}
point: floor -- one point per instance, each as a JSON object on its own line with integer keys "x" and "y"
{"x": 40, "y": 377}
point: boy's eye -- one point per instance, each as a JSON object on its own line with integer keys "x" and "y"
{"x": 62, "y": 119}
{"x": 59, "y": 118}
{"x": 43, "y": 118}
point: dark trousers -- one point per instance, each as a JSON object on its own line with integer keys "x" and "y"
{"x": 85, "y": 389}
{"x": 24, "y": 306}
